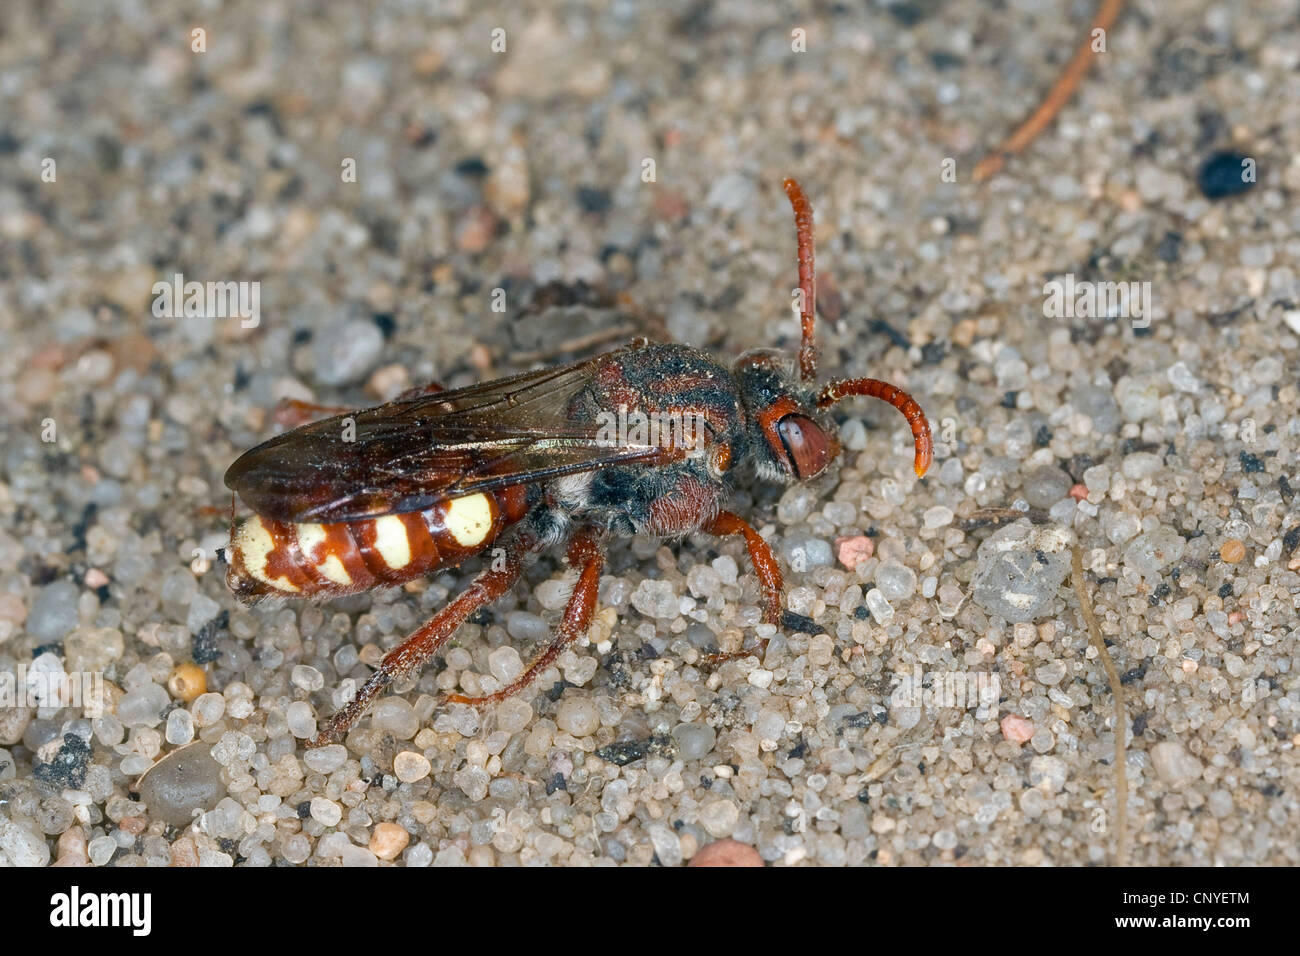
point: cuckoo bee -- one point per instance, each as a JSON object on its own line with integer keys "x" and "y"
{"x": 379, "y": 497}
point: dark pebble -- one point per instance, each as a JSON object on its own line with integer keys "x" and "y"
{"x": 623, "y": 754}
{"x": 1135, "y": 674}
{"x": 203, "y": 646}
{"x": 1249, "y": 463}
{"x": 68, "y": 768}
{"x": 1224, "y": 174}
{"x": 798, "y": 622}
{"x": 473, "y": 166}
{"x": 593, "y": 200}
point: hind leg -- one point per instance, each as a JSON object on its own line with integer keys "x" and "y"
{"x": 587, "y": 552}
{"x": 418, "y": 649}
{"x": 292, "y": 412}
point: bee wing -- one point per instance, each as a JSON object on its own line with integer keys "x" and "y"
{"x": 410, "y": 454}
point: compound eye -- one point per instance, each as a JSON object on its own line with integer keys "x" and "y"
{"x": 807, "y": 446}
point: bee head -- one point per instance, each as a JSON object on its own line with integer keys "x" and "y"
{"x": 787, "y": 433}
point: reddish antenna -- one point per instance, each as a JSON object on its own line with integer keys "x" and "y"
{"x": 803, "y": 224}
{"x": 832, "y": 393}
{"x": 874, "y": 388}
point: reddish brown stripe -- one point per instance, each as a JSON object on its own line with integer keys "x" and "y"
{"x": 339, "y": 541}
{"x": 424, "y": 550}
{"x": 285, "y": 559}
{"x": 514, "y": 502}
{"x": 365, "y": 533}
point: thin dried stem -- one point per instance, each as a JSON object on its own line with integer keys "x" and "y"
{"x": 1056, "y": 98}
{"x": 1121, "y": 715}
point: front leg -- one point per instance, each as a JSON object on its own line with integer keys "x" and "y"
{"x": 768, "y": 571}
{"x": 761, "y": 556}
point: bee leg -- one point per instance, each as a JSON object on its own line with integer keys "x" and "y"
{"x": 292, "y": 412}
{"x": 419, "y": 391}
{"x": 765, "y": 566}
{"x": 586, "y": 551}
{"x": 761, "y": 556}
{"x": 418, "y": 649}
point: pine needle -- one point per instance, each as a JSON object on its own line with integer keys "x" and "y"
{"x": 1121, "y": 717}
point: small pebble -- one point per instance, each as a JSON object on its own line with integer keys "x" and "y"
{"x": 726, "y": 853}
{"x": 325, "y": 759}
{"x": 854, "y": 550}
{"x": 344, "y": 354}
{"x": 387, "y": 840}
{"x": 101, "y": 850}
{"x": 1019, "y": 568}
{"x": 180, "y": 727}
{"x": 410, "y": 766}
{"x": 187, "y": 682}
{"x": 52, "y": 613}
{"x": 694, "y": 740}
{"x": 1174, "y": 765}
{"x": 939, "y": 516}
{"x": 719, "y": 817}
{"x": 1153, "y": 550}
{"x": 325, "y": 812}
{"x": 393, "y": 715}
{"x": 144, "y": 706}
{"x": 351, "y": 855}
{"x": 1232, "y": 551}
{"x": 1016, "y": 729}
{"x": 1224, "y": 174}
{"x": 300, "y": 719}
{"x": 578, "y": 716}
{"x": 656, "y": 599}
{"x": 1046, "y": 485}
{"x": 182, "y": 781}
{"x": 881, "y": 610}
{"x": 896, "y": 581}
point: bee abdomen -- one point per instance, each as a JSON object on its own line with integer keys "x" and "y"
{"x": 326, "y": 560}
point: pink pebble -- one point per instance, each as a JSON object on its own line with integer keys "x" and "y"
{"x": 854, "y": 550}
{"x": 1079, "y": 492}
{"x": 96, "y": 578}
{"x": 1018, "y": 730}
{"x": 727, "y": 853}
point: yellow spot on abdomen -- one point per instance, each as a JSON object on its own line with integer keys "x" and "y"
{"x": 392, "y": 542}
{"x": 254, "y": 543}
{"x": 469, "y": 519}
{"x": 311, "y": 537}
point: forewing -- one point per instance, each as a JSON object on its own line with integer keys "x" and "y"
{"x": 410, "y": 454}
